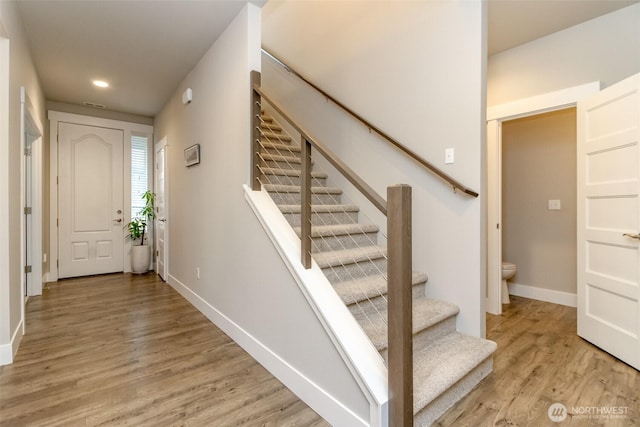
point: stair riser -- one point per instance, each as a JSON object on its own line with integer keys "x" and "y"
{"x": 430, "y": 413}
{"x": 324, "y": 218}
{"x": 294, "y": 199}
{"x": 279, "y": 151}
{"x": 340, "y": 273}
{"x": 375, "y": 304}
{"x": 292, "y": 180}
{"x": 336, "y": 243}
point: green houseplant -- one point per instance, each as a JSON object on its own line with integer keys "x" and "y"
{"x": 140, "y": 253}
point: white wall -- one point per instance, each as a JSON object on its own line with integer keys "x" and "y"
{"x": 605, "y": 49}
{"x": 21, "y": 73}
{"x": 244, "y": 286}
{"x": 416, "y": 70}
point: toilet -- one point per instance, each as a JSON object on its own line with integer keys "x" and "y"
{"x": 508, "y": 271}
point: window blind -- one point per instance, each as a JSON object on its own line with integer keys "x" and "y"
{"x": 139, "y": 176}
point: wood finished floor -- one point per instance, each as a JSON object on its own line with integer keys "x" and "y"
{"x": 129, "y": 350}
{"x": 540, "y": 360}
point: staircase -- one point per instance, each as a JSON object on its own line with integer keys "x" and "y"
{"x": 447, "y": 364}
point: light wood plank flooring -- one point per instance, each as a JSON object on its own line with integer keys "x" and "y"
{"x": 540, "y": 360}
{"x": 129, "y": 350}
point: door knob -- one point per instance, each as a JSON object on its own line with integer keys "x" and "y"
{"x": 162, "y": 219}
{"x": 118, "y": 220}
{"x": 632, "y": 236}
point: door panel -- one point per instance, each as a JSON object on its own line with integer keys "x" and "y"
{"x": 91, "y": 229}
{"x": 608, "y": 208}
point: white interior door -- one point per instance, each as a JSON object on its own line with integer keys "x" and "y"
{"x": 160, "y": 185}
{"x": 90, "y": 201}
{"x": 609, "y": 220}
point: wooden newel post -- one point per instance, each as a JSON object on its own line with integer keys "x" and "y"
{"x": 400, "y": 356}
{"x": 305, "y": 203}
{"x": 256, "y": 173}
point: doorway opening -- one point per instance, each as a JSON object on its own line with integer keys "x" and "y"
{"x": 539, "y": 216}
{"x": 497, "y": 117}
{"x": 110, "y": 219}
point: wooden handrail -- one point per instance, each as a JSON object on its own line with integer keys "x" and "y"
{"x": 429, "y": 166}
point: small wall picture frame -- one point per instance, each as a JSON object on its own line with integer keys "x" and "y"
{"x": 192, "y": 155}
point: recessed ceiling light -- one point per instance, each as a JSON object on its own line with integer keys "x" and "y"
{"x": 100, "y": 83}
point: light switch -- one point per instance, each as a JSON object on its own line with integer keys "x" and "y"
{"x": 448, "y": 156}
{"x": 554, "y": 205}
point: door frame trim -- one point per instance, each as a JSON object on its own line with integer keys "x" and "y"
{"x": 29, "y": 122}
{"x": 544, "y": 103}
{"x": 158, "y": 145}
{"x": 128, "y": 129}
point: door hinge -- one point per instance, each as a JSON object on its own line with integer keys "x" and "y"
{"x": 27, "y": 152}
{"x": 58, "y": 263}
{"x": 27, "y": 210}
{"x": 57, "y": 222}
{"x": 157, "y": 253}
{"x": 57, "y": 180}
{"x": 27, "y": 269}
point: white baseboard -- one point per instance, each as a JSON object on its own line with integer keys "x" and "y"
{"x": 542, "y": 294}
{"x": 9, "y": 350}
{"x": 302, "y": 386}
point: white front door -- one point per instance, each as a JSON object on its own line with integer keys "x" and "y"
{"x": 160, "y": 184}
{"x": 90, "y": 205}
{"x": 609, "y": 220}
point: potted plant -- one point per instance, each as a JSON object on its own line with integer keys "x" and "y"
{"x": 140, "y": 253}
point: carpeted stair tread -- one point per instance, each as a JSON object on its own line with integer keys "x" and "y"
{"x": 281, "y": 188}
{"x": 291, "y": 172}
{"x": 274, "y": 135}
{"x": 295, "y": 209}
{"x": 349, "y": 256}
{"x": 365, "y": 288}
{"x": 426, "y": 313}
{"x": 441, "y": 365}
{"x": 271, "y": 126}
{"x": 340, "y": 229}
{"x": 281, "y": 147}
{"x": 280, "y": 158}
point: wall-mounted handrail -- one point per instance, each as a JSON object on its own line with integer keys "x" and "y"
{"x": 429, "y": 166}
{"x": 376, "y": 199}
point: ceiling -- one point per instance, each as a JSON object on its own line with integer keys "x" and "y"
{"x": 514, "y": 22}
{"x": 145, "y": 48}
